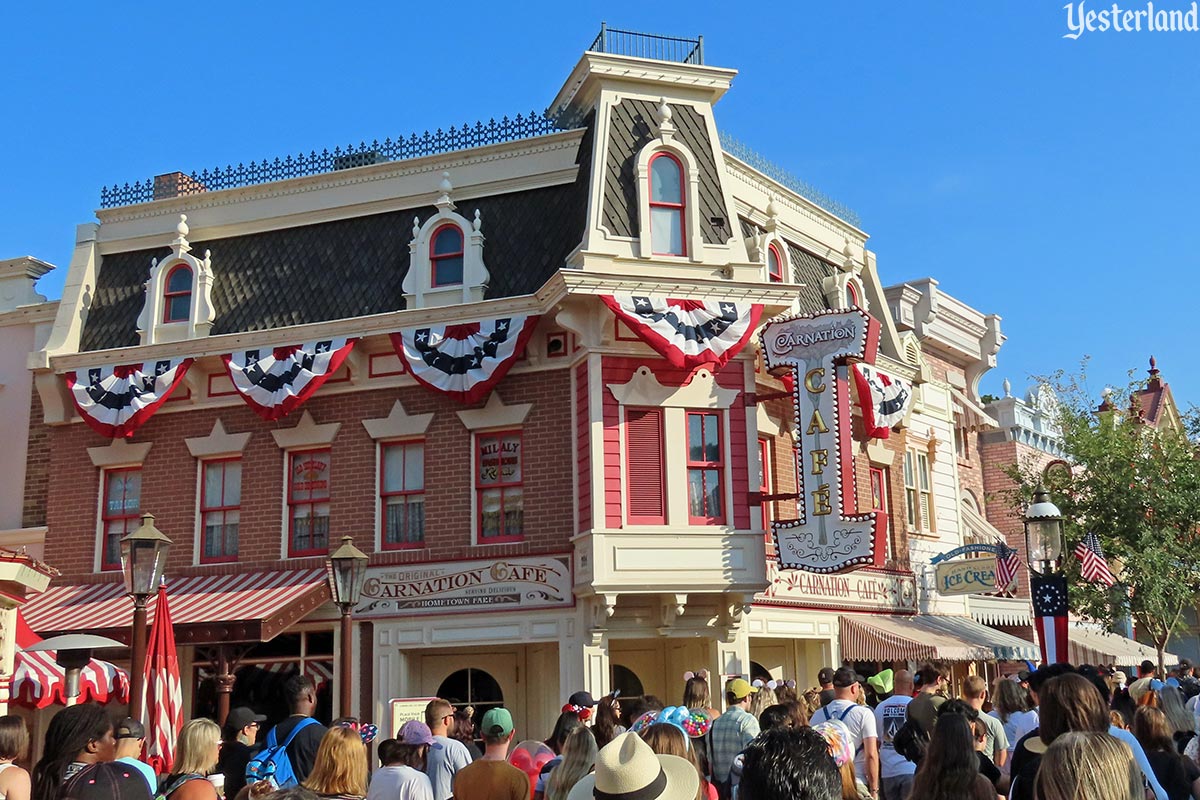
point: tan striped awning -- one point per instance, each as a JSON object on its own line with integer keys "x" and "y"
{"x": 205, "y": 609}
{"x": 1089, "y": 644}
{"x": 883, "y": 638}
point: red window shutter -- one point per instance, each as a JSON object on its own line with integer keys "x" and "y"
{"x": 645, "y": 467}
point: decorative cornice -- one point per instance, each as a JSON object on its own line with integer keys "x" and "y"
{"x": 495, "y": 414}
{"x": 218, "y": 443}
{"x": 119, "y": 453}
{"x": 360, "y": 175}
{"x": 398, "y": 424}
{"x": 306, "y": 434}
{"x": 796, "y": 202}
{"x": 702, "y": 391}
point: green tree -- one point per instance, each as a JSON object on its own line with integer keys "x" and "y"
{"x": 1138, "y": 489}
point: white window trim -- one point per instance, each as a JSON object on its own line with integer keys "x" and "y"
{"x": 667, "y": 143}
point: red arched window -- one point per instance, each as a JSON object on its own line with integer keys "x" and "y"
{"x": 446, "y": 256}
{"x": 177, "y": 299}
{"x": 851, "y": 296}
{"x": 666, "y": 206}
{"x": 774, "y": 265}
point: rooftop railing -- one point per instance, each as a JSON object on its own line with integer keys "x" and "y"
{"x": 468, "y": 136}
{"x": 648, "y": 45}
{"x": 743, "y": 153}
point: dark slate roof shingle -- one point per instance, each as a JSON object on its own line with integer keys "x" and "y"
{"x": 349, "y": 267}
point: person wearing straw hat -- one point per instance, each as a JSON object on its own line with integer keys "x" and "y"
{"x": 627, "y": 769}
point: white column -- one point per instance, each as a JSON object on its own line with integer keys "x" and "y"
{"x": 8, "y": 650}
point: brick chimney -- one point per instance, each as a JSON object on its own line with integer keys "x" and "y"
{"x": 176, "y": 184}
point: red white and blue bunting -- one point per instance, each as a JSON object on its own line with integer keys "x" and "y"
{"x": 116, "y": 401}
{"x": 274, "y": 382}
{"x": 688, "y": 333}
{"x": 884, "y": 399}
{"x": 464, "y": 360}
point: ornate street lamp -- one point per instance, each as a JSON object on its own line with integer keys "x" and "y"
{"x": 1043, "y": 532}
{"x": 347, "y": 573}
{"x": 143, "y": 560}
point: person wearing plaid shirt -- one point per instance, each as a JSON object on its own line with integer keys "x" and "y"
{"x": 730, "y": 733}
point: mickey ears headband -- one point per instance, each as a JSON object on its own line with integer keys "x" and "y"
{"x": 702, "y": 675}
{"x": 583, "y": 712}
{"x": 365, "y": 730}
{"x": 772, "y": 684}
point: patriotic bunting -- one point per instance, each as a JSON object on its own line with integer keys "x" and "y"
{"x": 688, "y": 333}
{"x": 116, "y": 401}
{"x": 884, "y": 399}
{"x": 1050, "y": 616}
{"x": 275, "y": 382}
{"x": 1092, "y": 564}
{"x": 464, "y": 360}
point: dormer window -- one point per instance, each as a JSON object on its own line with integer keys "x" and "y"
{"x": 446, "y": 256}
{"x": 774, "y": 265}
{"x": 177, "y": 299}
{"x": 666, "y": 205}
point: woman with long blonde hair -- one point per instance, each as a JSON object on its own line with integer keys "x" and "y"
{"x": 1087, "y": 765}
{"x": 196, "y": 754}
{"x": 578, "y": 757}
{"x": 340, "y": 767}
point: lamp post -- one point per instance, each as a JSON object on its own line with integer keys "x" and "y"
{"x": 1043, "y": 532}
{"x": 143, "y": 560}
{"x": 348, "y": 572}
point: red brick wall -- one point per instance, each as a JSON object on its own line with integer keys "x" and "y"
{"x": 1005, "y": 513}
{"x": 169, "y": 477}
{"x": 37, "y": 466}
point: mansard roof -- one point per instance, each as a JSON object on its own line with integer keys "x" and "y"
{"x": 349, "y": 267}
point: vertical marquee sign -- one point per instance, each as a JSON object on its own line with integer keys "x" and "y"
{"x": 825, "y": 538}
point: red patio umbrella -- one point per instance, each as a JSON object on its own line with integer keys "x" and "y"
{"x": 163, "y": 698}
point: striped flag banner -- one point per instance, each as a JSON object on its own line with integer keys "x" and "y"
{"x": 1093, "y": 566}
{"x": 163, "y": 695}
{"x": 1050, "y": 616}
{"x": 1007, "y": 566}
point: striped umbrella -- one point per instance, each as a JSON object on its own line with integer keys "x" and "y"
{"x": 163, "y": 698}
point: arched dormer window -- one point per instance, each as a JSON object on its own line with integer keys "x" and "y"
{"x": 446, "y": 256}
{"x": 667, "y": 208}
{"x": 178, "y": 300}
{"x": 851, "y": 296}
{"x": 774, "y": 265}
{"x": 177, "y": 297}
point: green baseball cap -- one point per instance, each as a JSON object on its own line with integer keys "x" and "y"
{"x": 496, "y": 722}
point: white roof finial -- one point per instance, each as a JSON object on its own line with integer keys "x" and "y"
{"x": 1007, "y": 388}
{"x": 182, "y": 228}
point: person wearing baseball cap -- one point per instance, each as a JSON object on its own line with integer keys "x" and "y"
{"x": 131, "y": 736}
{"x": 731, "y": 732}
{"x": 492, "y": 777}
{"x": 825, "y": 681}
{"x": 238, "y": 745}
{"x": 399, "y": 777}
{"x": 627, "y": 769}
{"x": 860, "y": 721}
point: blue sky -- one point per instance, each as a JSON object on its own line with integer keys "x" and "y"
{"x": 1047, "y": 180}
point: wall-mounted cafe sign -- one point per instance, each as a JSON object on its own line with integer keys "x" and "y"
{"x": 467, "y": 586}
{"x": 828, "y": 536}
{"x": 968, "y": 576}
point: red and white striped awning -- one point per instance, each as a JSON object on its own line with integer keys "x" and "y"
{"x": 205, "y": 609}
{"x": 38, "y": 682}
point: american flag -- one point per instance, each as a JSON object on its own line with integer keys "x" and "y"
{"x": 1091, "y": 558}
{"x": 163, "y": 693}
{"x": 1050, "y": 616}
{"x": 1007, "y": 564}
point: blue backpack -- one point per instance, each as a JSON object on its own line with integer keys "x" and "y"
{"x": 272, "y": 762}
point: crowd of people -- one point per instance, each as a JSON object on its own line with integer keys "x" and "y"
{"x": 1057, "y": 733}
